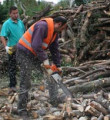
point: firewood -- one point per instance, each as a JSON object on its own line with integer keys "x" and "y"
{"x": 84, "y": 27}
{"x": 99, "y": 107}
{"x": 101, "y": 117}
{"x": 52, "y": 117}
{"x": 75, "y": 118}
{"x": 76, "y": 13}
{"x": 92, "y": 111}
{"x": 107, "y": 117}
{"x": 63, "y": 51}
{"x": 83, "y": 118}
{"x": 77, "y": 113}
{"x": 100, "y": 99}
{"x": 90, "y": 85}
{"x": 104, "y": 28}
{"x": 77, "y": 106}
{"x": 94, "y": 118}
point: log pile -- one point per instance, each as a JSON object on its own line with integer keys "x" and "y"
{"x": 87, "y": 36}
{"x": 92, "y": 106}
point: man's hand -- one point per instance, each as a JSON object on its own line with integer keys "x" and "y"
{"x": 51, "y": 68}
{"x": 46, "y": 65}
{"x": 9, "y": 50}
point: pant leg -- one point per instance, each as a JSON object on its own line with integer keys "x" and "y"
{"x": 12, "y": 69}
{"x": 24, "y": 62}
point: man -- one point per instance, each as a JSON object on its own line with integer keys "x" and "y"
{"x": 31, "y": 51}
{"x": 11, "y": 32}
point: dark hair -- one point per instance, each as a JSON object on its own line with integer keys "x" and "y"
{"x": 12, "y": 8}
{"x": 61, "y": 19}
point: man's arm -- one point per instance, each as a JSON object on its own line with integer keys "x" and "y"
{"x": 4, "y": 33}
{"x": 3, "y": 39}
{"x": 54, "y": 49}
{"x": 40, "y": 32}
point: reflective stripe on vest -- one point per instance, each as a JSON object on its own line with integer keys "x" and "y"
{"x": 25, "y": 41}
{"x": 30, "y": 31}
{"x": 44, "y": 45}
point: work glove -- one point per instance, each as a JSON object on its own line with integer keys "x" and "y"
{"x": 10, "y": 50}
{"x": 51, "y": 68}
{"x": 46, "y": 65}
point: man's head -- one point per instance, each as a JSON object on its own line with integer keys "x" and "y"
{"x": 59, "y": 23}
{"x": 13, "y": 13}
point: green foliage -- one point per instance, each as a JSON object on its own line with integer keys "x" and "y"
{"x": 3, "y": 13}
{"x": 31, "y": 7}
{"x": 4, "y": 10}
{"x": 79, "y": 2}
{"x": 62, "y": 4}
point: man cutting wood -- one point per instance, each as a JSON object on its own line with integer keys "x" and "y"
{"x": 31, "y": 51}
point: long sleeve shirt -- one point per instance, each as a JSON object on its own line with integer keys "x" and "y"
{"x": 39, "y": 34}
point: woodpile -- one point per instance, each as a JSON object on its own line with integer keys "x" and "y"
{"x": 91, "y": 106}
{"x": 87, "y": 36}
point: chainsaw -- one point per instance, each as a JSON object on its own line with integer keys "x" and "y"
{"x": 55, "y": 76}
{"x": 58, "y": 79}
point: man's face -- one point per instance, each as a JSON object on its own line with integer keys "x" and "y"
{"x": 14, "y": 14}
{"x": 59, "y": 27}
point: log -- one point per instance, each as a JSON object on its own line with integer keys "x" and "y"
{"x": 94, "y": 118}
{"x": 104, "y": 102}
{"x": 103, "y": 19}
{"x": 83, "y": 118}
{"x": 100, "y": 117}
{"x": 77, "y": 106}
{"x": 77, "y": 113}
{"x": 102, "y": 74}
{"x": 85, "y": 87}
{"x": 39, "y": 15}
{"x": 104, "y": 28}
{"x": 76, "y": 13}
{"x": 84, "y": 28}
{"x": 92, "y": 111}
{"x": 107, "y": 117}
{"x": 99, "y": 107}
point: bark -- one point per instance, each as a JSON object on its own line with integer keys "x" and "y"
{"x": 92, "y": 111}
{"x": 100, "y": 117}
{"x": 85, "y": 87}
{"x": 99, "y": 107}
{"x": 84, "y": 28}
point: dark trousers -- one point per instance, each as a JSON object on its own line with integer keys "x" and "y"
{"x": 27, "y": 63}
{"x": 12, "y": 69}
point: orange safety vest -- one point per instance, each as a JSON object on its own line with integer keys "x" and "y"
{"x": 26, "y": 39}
